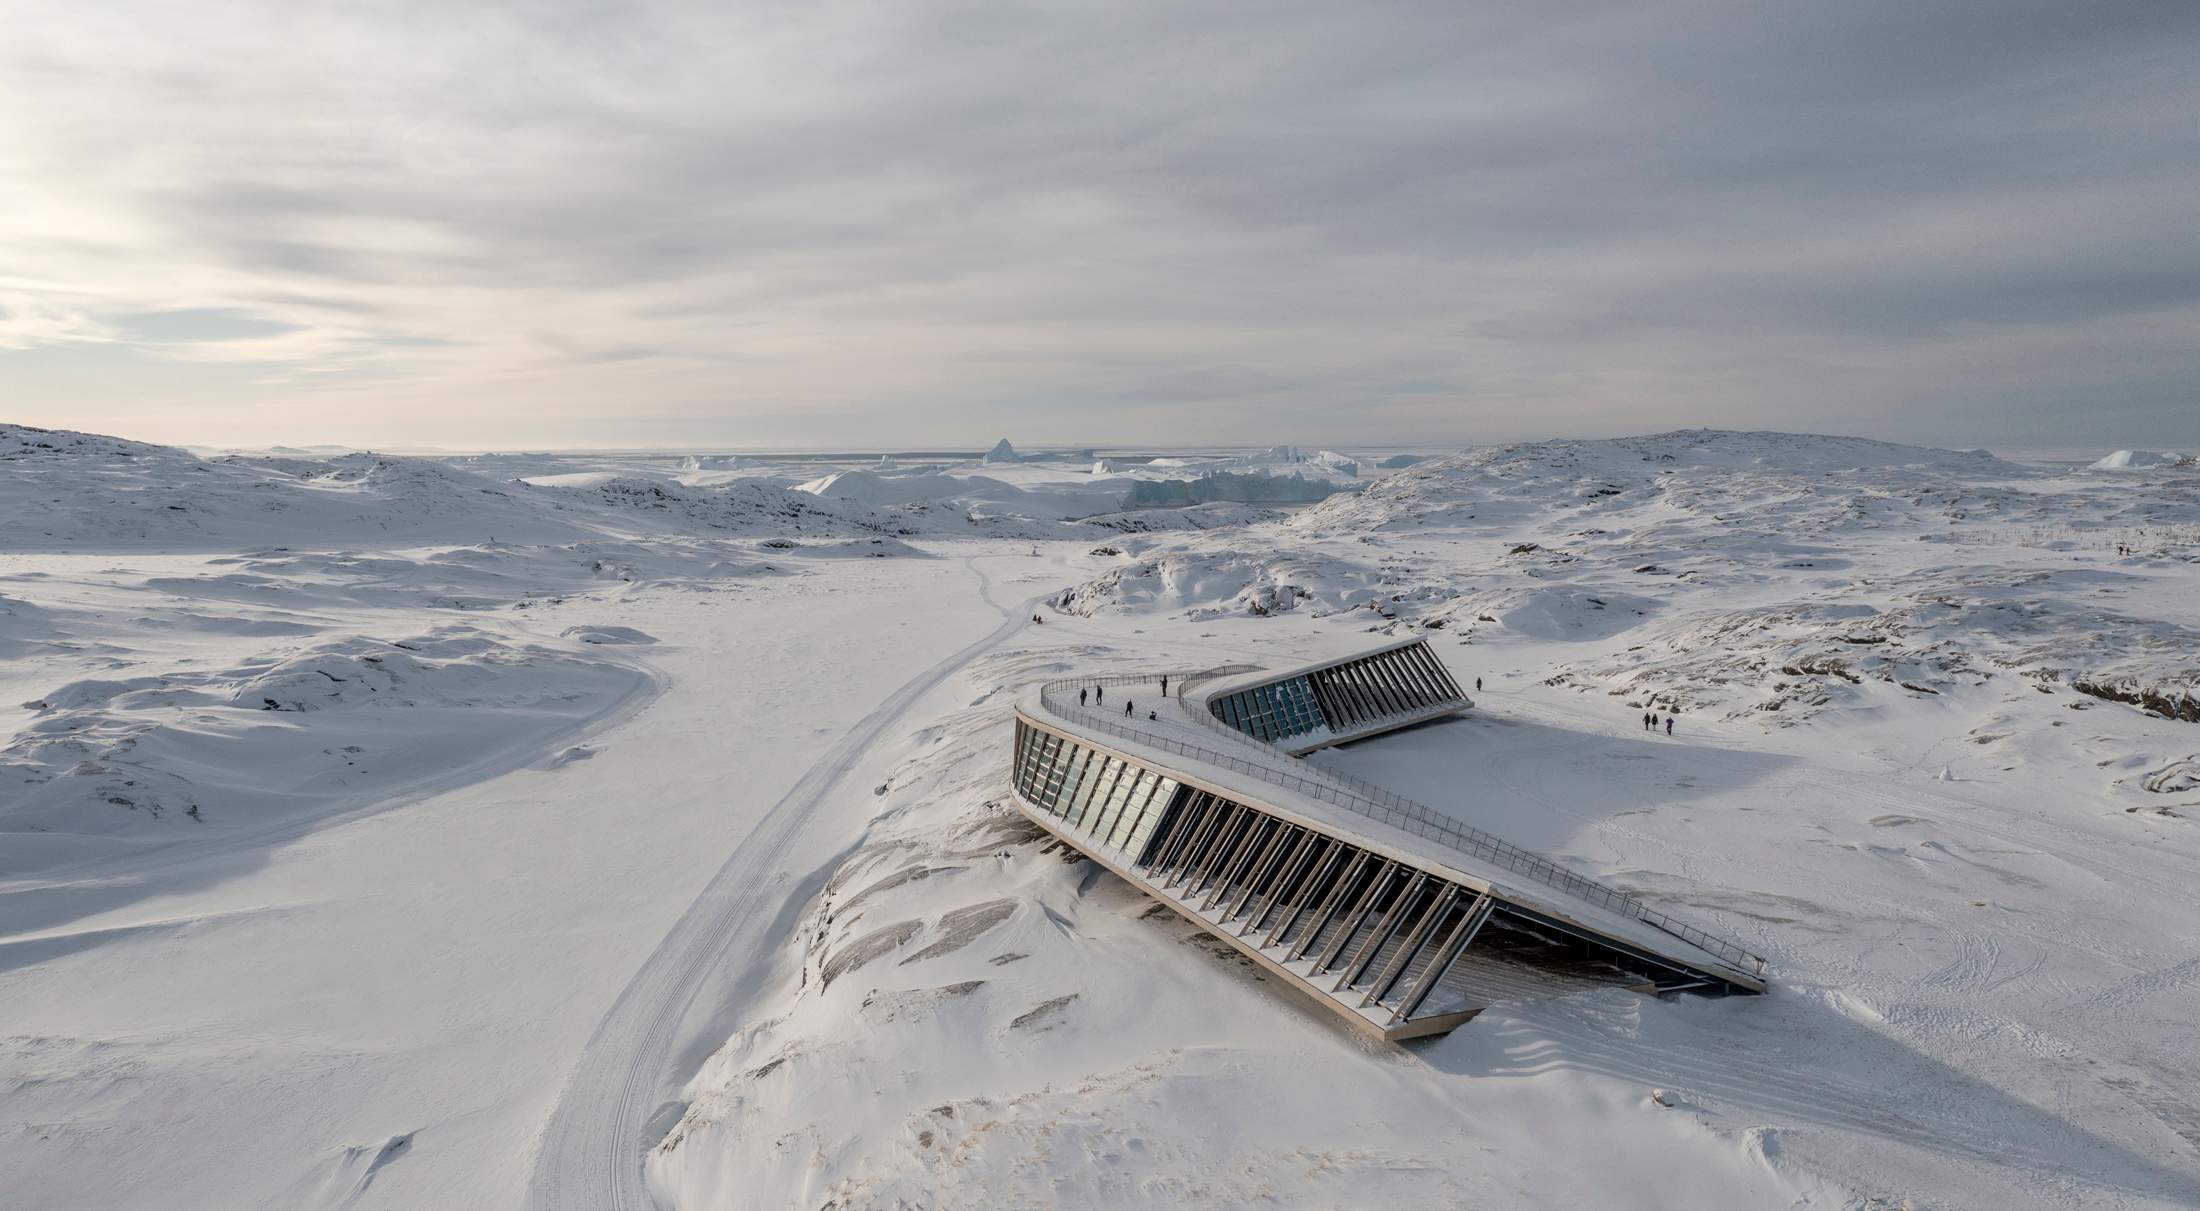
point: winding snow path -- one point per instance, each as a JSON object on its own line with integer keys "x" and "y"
{"x": 593, "y": 1147}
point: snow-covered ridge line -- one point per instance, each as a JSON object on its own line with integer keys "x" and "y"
{"x": 75, "y": 492}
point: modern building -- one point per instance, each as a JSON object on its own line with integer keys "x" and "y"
{"x": 1339, "y": 701}
{"x": 1403, "y": 920}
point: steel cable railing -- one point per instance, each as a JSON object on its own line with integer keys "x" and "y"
{"x": 1272, "y": 765}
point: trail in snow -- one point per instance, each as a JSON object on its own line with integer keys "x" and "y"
{"x": 591, "y": 1152}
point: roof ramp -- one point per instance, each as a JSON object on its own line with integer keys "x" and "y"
{"x": 1401, "y": 919}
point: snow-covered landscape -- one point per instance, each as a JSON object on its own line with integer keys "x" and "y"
{"x": 631, "y": 829}
{"x": 683, "y": 605}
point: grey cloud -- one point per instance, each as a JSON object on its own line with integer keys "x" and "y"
{"x": 1528, "y": 212}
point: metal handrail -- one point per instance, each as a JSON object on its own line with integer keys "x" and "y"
{"x": 1279, "y": 768}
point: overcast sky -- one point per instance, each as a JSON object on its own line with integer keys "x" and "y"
{"x": 899, "y": 224}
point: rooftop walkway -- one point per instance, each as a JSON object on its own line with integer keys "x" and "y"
{"x": 1403, "y": 920}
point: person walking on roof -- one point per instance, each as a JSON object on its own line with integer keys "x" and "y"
{"x": 1098, "y": 693}
{"x": 1164, "y": 685}
{"x": 1080, "y": 697}
{"x": 1127, "y": 704}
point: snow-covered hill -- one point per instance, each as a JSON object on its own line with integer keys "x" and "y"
{"x": 1723, "y": 466}
{"x": 74, "y": 491}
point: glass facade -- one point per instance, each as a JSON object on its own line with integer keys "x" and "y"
{"x": 1384, "y": 932}
{"x": 1343, "y": 697}
{"x": 1271, "y": 712}
{"x": 1111, "y": 802}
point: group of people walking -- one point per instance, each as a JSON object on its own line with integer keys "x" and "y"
{"x": 1650, "y": 722}
{"x": 1098, "y": 693}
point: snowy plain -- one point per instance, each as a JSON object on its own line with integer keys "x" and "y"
{"x": 618, "y": 830}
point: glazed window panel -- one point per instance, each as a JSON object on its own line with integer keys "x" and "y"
{"x": 1105, "y": 796}
{"x": 1022, "y": 769}
{"x": 1118, "y": 796}
{"x": 1043, "y": 755}
{"x": 1142, "y": 804}
{"x": 1107, "y": 793}
{"x": 1133, "y": 800}
{"x": 1142, "y": 829}
{"x": 1050, "y": 775}
{"x": 1053, "y": 785}
{"x": 1099, "y": 768}
{"x": 1062, "y": 782}
{"x": 1104, "y": 771}
{"x": 1273, "y": 712}
{"x": 1027, "y": 773}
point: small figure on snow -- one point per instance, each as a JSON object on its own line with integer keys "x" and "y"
{"x": 1080, "y": 697}
{"x": 1668, "y": 725}
{"x": 1478, "y": 685}
{"x": 1126, "y": 706}
{"x": 1164, "y": 685}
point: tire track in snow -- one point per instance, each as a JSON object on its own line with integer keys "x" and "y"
{"x": 592, "y": 1149}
